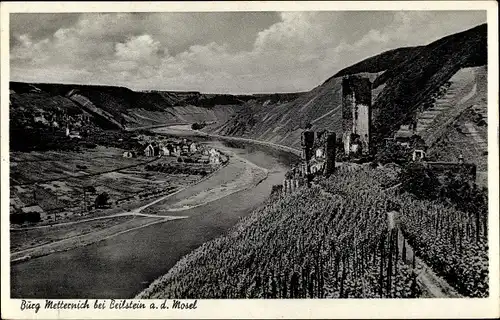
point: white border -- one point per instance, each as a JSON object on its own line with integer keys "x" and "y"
{"x": 350, "y": 308}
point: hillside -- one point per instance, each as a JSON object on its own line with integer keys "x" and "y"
{"x": 120, "y": 107}
{"x": 406, "y": 85}
{"x": 403, "y": 79}
{"x": 333, "y": 241}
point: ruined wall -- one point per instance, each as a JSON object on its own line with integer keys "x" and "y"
{"x": 307, "y": 141}
{"x": 356, "y": 111}
{"x": 330, "y": 154}
{"x": 290, "y": 186}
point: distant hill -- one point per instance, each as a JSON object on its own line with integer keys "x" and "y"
{"x": 407, "y": 84}
{"x": 120, "y": 107}
{"x": 403, "y": 79}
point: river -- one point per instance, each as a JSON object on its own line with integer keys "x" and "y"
{"x": 122, "y": 266}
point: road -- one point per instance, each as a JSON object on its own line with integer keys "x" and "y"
{"x": 133, "y": 212}
{"x": 123, "y": 265}
{"x": 98, "y": 235}
{"x": 433, "y": 286}
{"x": 238, "y": 182}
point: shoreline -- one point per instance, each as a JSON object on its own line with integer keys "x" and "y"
{"x": 85, "y": 239}
{"x": 98, "y": 235}
{"x": 192, "y": 254}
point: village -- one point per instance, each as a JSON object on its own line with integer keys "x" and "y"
{"x": 122, "y": 169}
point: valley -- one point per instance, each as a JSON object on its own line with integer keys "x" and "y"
{"x": 116, "y": 193}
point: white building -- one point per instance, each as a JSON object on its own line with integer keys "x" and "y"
{"x": 418, "y": 155}
{"x": 164, "y": 151}
{"x": 214, "y": 156}
{"x": 193, "y": 148}
{"x": 41, "y": 119}
{"x": 149, "y": 151}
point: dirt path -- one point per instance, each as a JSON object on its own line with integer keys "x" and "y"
{"x": 106, "y": 233}
{"x": 432, "y": 285}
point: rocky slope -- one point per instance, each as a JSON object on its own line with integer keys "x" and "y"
{"x": 403, "y": 80}
{"x": 119, "y": 107}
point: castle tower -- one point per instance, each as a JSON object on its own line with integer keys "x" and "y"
{"x": 356, "y": 112}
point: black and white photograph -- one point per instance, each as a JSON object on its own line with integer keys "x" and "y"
{"x": 255, "y": 154}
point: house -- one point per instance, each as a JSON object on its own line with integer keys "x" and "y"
{"x": 215, "y": 160}
{"x": 204, "y": 159}
{"x": 193, "y": 148}
{"x": 418, "y": 155}
{"x": 149, "y": 151}
{"x": 214, "y": 156}
{"x": 164, "y": 150}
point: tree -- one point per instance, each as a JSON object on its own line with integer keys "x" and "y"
{"x": 460, "y": 190}
{"x": 102, "y": 200}
{"x": 418, "y": 180}
{"x": 33, "y": 217}
{"x": 393, "y": 153}
{"x": 17, "y": 218}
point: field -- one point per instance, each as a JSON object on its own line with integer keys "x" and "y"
{"x": 338, "y": 240}
{"x": 55, "y": 180}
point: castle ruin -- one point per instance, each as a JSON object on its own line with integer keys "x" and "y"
{"x": 356, "y": 114}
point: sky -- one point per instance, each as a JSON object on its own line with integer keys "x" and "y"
{"x": 217, "y": 52}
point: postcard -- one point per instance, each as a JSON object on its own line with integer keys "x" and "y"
{"x": 249, "y": 160}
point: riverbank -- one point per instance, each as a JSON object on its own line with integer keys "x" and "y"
{"x": 185, "y": 130}
{"x": 45, "y": 240}
{"x": 246, "y": 174}
{"x": 48, "y": 239}
{"x": 127, "y": 263}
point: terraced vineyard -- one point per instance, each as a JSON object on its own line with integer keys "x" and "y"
{"x": 334, "y": 241}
